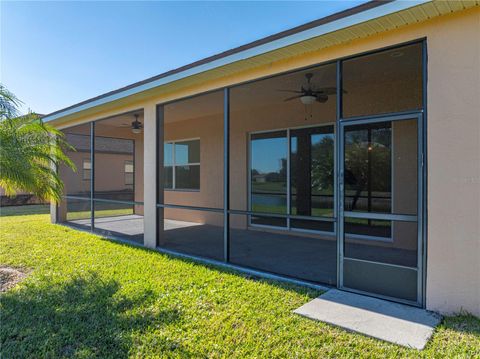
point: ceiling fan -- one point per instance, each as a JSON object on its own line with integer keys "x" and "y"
{"x": 308, "y": 95}
{"x": 136, "y": 125}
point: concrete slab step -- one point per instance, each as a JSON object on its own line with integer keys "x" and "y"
{"x": 393, "y": 322}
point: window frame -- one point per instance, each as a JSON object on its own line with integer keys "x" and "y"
{"x": 174, "y": 165}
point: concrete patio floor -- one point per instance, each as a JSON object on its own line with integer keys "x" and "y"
{"x": 291, "y": 254}
{"x": 129, "y": 227}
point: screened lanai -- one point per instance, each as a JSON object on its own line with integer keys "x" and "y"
{"x": 286, "y": 205}
{"x": 105, "y": 192}
{"x": 312, "y": 174}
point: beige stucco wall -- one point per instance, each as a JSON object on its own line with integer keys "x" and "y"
{"x": 453, "y": 144}
{"x": 453, "y": 265}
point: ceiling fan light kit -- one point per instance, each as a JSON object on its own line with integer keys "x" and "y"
{"x": 308, "y": 99}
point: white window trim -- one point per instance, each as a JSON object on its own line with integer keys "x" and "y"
{"x": 173, "y": 165}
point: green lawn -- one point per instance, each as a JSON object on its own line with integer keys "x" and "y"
{"x": 72, "y": 216}
{"x": 24, "y": 210}
{"x": 89, "y": 297}
{"x": 45, "y": 208}
{"x": 265, "y": 208}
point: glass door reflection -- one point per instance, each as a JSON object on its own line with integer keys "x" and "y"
{"x": 311, "y": 177}
{"x": 268, "y": 177}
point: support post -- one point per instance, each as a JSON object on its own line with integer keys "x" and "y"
{"x": 92, "y": 175}
{"x": 338, "y": 177}
{"x": 150, "y": 176}
{"x": 160, "y": 174}
{"x": 226, "y": 173}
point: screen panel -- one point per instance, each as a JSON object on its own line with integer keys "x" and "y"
{"x": 312, "y": 176}
{"x": 379, "y": 279}
{"x": 274, "y": 106}
{"x": 390, "y": 242}
{"x": 381, "y": 167}
{"x": 191, "y": 157}
{"x": 193, "y": 232}
{"x": 119, "y": 220}
{"x": 310, "y": 257}
{"x": 75, "y": 206}
{"x": 268, "y": 176}
{"x": 383, "y": 82}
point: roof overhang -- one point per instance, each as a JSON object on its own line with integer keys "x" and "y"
{"x": 361, "y": 21}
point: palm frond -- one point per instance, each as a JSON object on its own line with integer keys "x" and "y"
{"x": 30, "y": 152}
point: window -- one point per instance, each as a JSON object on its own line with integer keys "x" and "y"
{"x": 87, "y": 169}
{"x": 129, "y": 171}
{"x": 182, "y": 165}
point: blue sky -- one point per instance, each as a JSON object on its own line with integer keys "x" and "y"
{"x": 54, "y": 54}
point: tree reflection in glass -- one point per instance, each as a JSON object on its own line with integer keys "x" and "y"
{"x": 269, "y": 176}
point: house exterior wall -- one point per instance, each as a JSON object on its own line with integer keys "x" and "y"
{"x": 453, "y": 180}
{"x": 453, "y": 147}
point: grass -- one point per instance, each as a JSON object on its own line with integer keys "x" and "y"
{"x": 90, "y": 297}
{"x": 24, "y": 210}
{"x": 45, "y": 208}
{"x": 266, "y": 208}
{"x": 72, "y": 216}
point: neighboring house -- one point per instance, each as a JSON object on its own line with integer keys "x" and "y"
{"x": 343, "y": 152}
{"x": 20, "y": 199}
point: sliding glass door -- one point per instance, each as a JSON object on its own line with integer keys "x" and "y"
{"x": 380, "y": 207}
{"x": 311, "y": 178}
{"x": 292, "y": 174}
{"x": 291, "y": 224}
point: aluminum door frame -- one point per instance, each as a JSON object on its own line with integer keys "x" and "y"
{"x": 419, "y": 218}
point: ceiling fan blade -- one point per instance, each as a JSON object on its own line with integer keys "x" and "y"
{"x": 326, "y": 91}
{"x": 292, "y": 98}
{"x": 322, "y": 98}
{"x": 292, "y": 91}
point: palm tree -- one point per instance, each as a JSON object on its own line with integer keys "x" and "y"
{"x": 30, "y": 152}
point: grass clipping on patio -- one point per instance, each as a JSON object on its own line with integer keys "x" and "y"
{"x": 89, "y": 297}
